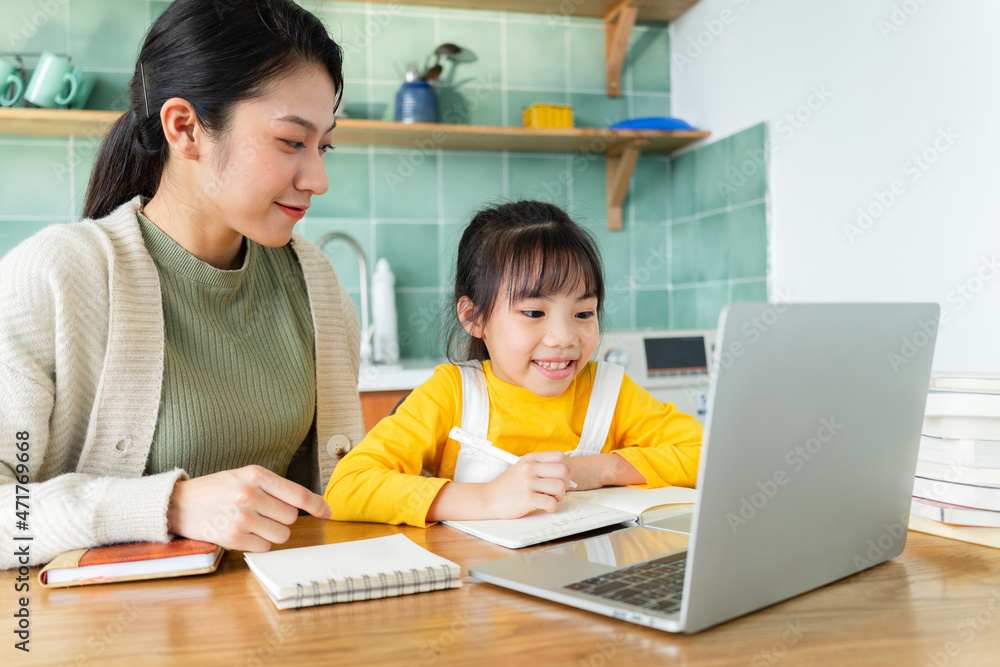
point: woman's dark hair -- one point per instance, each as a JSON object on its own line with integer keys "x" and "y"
{"x": 212, "y": 54}
{"x": 519, "y": 250}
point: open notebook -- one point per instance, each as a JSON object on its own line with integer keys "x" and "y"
{"x": 581, "y": 511}
{"x": 350, "y": 571}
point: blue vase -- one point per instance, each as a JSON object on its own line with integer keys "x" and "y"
{"x": 416, "y": 102}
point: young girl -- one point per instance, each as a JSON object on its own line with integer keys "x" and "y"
{"x": 528, "y": 416}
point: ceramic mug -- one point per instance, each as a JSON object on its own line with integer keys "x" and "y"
{"x": 49, "y": 81}
{"x": 83, "y": 91}
{"x": 10, "y": 81}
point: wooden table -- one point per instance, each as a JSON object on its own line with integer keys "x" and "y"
{"x": 937, "y": 604}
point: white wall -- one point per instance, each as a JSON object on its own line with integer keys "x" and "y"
{"x": 890, "y": 94}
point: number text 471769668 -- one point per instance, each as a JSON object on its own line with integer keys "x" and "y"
{"x": 22, "y": 540}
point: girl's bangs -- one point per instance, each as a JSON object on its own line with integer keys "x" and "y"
{"x": 544, "y": 272}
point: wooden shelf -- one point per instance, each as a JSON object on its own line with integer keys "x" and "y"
{"x": 357, "y": 132}
{"x": 55, "y": 122}
{"x": 622, "y": 147}
{"x": 658, "y": 11}
{"x": 519, "y": 139}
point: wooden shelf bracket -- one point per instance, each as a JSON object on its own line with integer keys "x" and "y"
{"x": 620, "y": 165}
{"x": 617, "y": 28}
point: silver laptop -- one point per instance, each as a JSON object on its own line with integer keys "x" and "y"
{"x": 805, "y": 477}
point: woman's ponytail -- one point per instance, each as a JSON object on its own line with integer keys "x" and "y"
{"x": 123, "y": 168}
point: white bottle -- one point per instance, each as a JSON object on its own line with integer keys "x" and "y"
{"x": 386, "y": 339}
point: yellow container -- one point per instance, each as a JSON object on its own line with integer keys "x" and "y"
{"x": 548, "y": 115}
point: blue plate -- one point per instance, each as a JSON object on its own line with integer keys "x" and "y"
{"x": 652, "y": 123}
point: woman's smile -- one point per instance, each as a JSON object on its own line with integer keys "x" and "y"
{"x": 295, "y": 212}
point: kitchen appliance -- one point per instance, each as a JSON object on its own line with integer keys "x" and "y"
{"x": 672, "y": 364}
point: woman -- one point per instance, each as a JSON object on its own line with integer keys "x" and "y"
{"x": 172, "y": 362}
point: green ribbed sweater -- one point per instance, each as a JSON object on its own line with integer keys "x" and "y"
{"x": 239, "y": 364}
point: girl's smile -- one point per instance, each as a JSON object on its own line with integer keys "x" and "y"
{"x": 556, "y": 370}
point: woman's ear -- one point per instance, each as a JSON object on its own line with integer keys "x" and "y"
{"x": 181, "y": 128}
{"x": 466, "y": 315}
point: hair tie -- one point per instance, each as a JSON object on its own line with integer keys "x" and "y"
{"x": 142, "y": 75}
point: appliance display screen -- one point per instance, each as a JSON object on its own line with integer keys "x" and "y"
{"x": 673, "y": 356}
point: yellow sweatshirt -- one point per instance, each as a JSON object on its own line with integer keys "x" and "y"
{"x": 380, "y": 480}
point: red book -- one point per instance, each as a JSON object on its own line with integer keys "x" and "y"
{"x": 131, "y": 561}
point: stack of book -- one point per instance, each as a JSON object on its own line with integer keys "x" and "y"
{"x": 956, "y": 493}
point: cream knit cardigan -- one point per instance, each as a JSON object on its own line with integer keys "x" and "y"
{"x": 81, "y": 371}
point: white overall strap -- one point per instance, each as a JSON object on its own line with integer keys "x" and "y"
{"x": 601, "y": 410}
{"x": 475, "y": 399}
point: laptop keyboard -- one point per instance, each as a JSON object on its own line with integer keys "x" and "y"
{"x": 656, "y": 585}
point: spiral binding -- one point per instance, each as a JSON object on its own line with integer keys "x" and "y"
{"x": 366, "y": 588}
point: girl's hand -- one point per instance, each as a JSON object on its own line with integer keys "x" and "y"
{"x": 587, "y": 471}
{"x": 597, "y": 470}
{"x": 536, "y": 482}
{"x": 247, "y": 509}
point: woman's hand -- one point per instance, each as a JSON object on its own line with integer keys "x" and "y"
{"x": 247, "y": 509}
{"x": 538, "y": 481}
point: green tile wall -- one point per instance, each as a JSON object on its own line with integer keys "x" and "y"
{"x": 716, "y": 229}
{"x": 695, "y": 225}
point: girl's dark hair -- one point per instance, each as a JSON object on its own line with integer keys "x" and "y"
{"x": 519, "y": 250}
{"x": 214, "y": 55}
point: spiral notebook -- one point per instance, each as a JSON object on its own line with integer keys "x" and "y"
{"x": 379, "y": 567}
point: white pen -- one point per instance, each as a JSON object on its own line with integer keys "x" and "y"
{"x": 486, "y": 447}
{"x": 481, "y": 444}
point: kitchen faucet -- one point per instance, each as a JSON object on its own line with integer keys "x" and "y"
{"x": 366, "y": 329}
